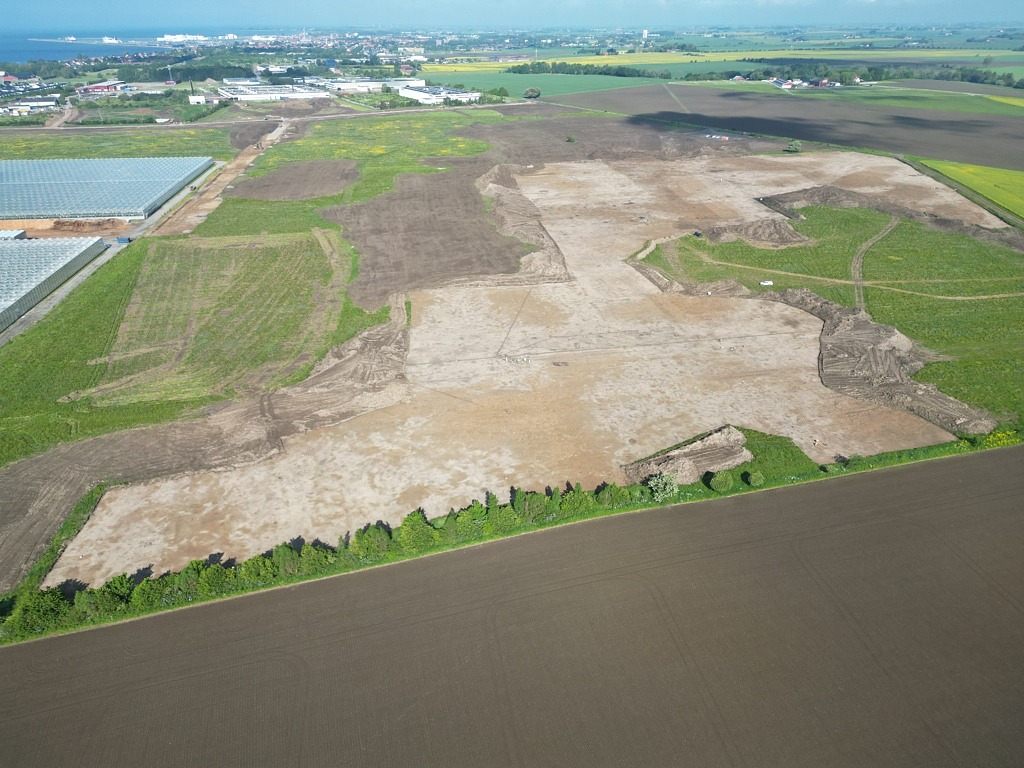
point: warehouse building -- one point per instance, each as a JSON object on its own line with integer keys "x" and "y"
{"x": 436, "y": 94}
{"x": 124, "y": 188}
{"x": 107, "y": 86}
{"x": 271, "y": 92}
{"x": 365, "y": 84}
{"x": 30, "y": 270}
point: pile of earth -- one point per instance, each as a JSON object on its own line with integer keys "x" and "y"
{"x": 87, "y": 225}
{"x": 764, "y": 232}
{"x": 875, "y": 362}
{"x": 721, "y": 449}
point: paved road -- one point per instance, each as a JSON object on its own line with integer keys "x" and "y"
{"x": 876, "y": 620}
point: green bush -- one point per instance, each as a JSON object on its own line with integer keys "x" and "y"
{"x": 754, "y": 479}
{"x": 577, "y": 502}
{"x": 663, "y": 486}
{"x": 38, "y": 611}
{"x": 721, "y": 482}
{"x": 370, "y": 544}
{"x": 415, "y": 534}
{"x": 256, "y": 572}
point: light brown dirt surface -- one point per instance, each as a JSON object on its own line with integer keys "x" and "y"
{"x": 532, "y": 385}
{"x": 298, "y": 181}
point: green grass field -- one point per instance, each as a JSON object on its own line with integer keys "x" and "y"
{"x": 51, "y": 360}
{"x": 1002, "y": 187}
{"x": 142, "y": 142}
{"x": 945, "y": 291}
{"x": 550, "y": 84}
{"x": 171, "y": 324}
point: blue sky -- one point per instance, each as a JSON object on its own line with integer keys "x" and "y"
{"x": 122, "y": 16}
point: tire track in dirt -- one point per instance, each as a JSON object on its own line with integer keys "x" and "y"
{"x": 857, "y": 265}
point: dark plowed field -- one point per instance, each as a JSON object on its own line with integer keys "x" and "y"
{"x": 867, "y": 621}
{"x": 298, "y": 181}
{"x": 960, "y": 136}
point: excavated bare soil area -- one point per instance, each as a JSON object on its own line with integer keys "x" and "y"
{"x": 298, "y": 181}
{"x": 432, "y": 229}
{"x": 564, "y": 377}
{"x": 246, "y": 134}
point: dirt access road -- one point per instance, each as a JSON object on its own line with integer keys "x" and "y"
{"x": 862, "y": 621}
{"x": 195, "y": 209}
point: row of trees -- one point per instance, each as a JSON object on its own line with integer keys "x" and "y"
{"x": 810, "y": 70}
{"x": 569, "y": 68}
{"x": 149, "y": 72}
{"x": 31, "y": 612}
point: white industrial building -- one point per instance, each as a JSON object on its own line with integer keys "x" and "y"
{"x": 437, "y": 94}
{"x": 365, "y": 84}
{"x": 30, "y": 270}
{"x": 271, "y": 92}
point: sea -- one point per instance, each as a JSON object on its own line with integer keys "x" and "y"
{"x": 23, "y": 47}
{"x": 20, "y": 47}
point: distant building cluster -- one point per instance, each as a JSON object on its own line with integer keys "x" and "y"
{"x": 32, "y": 93}
{"x": 107, "y": 86}
{"x": 796, "y": 82}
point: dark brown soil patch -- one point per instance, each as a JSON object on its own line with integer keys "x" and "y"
{"x": 246, "y": 134}
{"x": 429, "y": 230}
{"x": 298, "y": 181}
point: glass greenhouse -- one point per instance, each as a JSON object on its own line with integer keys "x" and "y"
{"x": 125, "y": 188}
{"x": 31, "y": 269}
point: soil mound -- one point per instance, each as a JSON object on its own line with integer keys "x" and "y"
{"x": 87, "y": 225}
{"x": 765, "y": 232}
{"x": 875, "y": 362}
{"x": 720, "y": 449}
{"x": 298, "y": 181}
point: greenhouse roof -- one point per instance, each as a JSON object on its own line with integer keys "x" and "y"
{"x": 127, "y": 188}
{"x": 24, "y": 264}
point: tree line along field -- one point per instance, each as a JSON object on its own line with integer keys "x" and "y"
{"x": 954, "y": 294}
{"x": 29, "y": 611}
